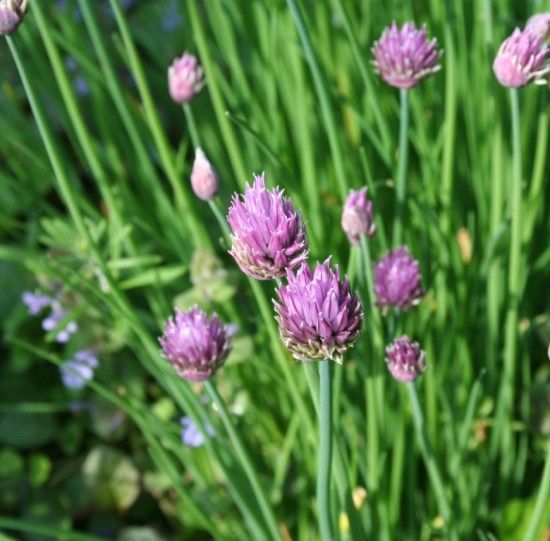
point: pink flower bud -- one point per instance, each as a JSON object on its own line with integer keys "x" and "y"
{"x": 12, "y": 13}
{"x": 204, "y": 179}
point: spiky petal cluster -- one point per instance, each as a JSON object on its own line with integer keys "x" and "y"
{"x": 185, "y": 78}
{"x": 539, "y": 24}
{"x": 196, "y": 345}
{"x": 12, "y": 13}
{"x": 404, "y": 56}
{"x": 405, "y": 359}
{"x": 397, "y": 280}
{"x": 268, "y": 235}
{"x": 319, "y": 317}
{"x": 357, "y": 216}
{"x": 204, "y": 179}
{"x": 521, "y": 59}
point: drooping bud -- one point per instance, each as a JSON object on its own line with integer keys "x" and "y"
{"x": 204, "y": 179}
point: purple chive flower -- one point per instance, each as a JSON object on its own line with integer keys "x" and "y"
{"x": 185, "y": 78}
{"x": 397, "y": 280}
{"x": 268, "y": 235}
{"x": 190, "y": 433}
{"x": 521, "y": 59}
{"x": 196, "y": 345}
{"x": 35, "y": 302}
{"x": 539, "y": 24}
{"x": 52, "y": 321}
{"x": 12, "y": 13}
{"x": 357, "y": 216}
{"x": 204, "y": 179}
{"x": 318, "y": 316}
{"x": 404, "y": 56}
{"x": 405, "y": 360}
{"x": 77, "y": 371}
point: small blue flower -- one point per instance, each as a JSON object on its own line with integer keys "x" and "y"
{"x": 81, "y": 86}
{"x": 56, "y": 315}
{"x": 35, "y": 302}
{"x": 77, "y": 371}
{"x": 191, "y": 435}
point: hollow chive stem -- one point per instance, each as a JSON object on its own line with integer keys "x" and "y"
{"x": 193, "y": 132}
{"x": 325, "y": 451}
{"x": 373, "y": 391}
{"x": 245, "y": 461}
{"x": 400, "y": 188}
{"x": 429, "y": 460}
{"x": 504, "y": 412}
{"x": 541, "y": 504}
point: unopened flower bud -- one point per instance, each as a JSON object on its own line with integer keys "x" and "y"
{"x": 357, "y": 216}
{"x": 12, "y": 13}
{"x": 406, "y": 360}
{"x": 204, "y": 179}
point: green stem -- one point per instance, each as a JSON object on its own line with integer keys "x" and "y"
{"x": 193, "y": 132}
{"x": 541, "y": 505}
{"x": 231, "y": 141}
{"x": 222, "y": 222}
{"x": 182, "y": 197}
{"x": 514, "y": 287}
{"x": 373, "y": 385}
{"x": 322, "y": 95}
{"x": 246, "y": 463}
{"x": 429, "y": 459}
{"x": 325, "y": 451}
{"x": 401, "y": 167}
{"x": 44, "y": 530}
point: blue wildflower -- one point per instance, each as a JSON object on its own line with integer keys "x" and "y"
{"x": 78, "y": 370}
{"x": 190, "y": 433}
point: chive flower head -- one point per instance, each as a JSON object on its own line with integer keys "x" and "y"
{"x": 185, "y": 78}
{"x": 397, "y": 280}
{"x": 318, "y": 316}
{"x": 404, "y": 56}
{"x": 196, "y": 345}
{"x": 268, "y": 236}
{"x": 521, "y": 59}
{"x": 405, "y": 359}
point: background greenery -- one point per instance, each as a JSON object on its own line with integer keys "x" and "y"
{"x": 115, "y": 227}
